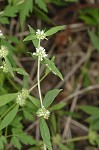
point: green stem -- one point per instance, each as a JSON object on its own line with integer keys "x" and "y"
{"x": 7, "y": 111}
{"x": 76, "y": 139}
{"x": 38, "y": 81}
{"x": 45, "y": 147}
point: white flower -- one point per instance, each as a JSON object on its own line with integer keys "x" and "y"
{"x": 1, "y": 35}
{"x": 40, "y": 34}
{"x": 40, "y": 53}
{"x": 42, "y": 112}
{"x": 3, "y": 51}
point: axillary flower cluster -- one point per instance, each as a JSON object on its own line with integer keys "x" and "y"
{"x": 41, "y": 54}
{"x": 3, "y": 54}
{"x": 22, "y": 96}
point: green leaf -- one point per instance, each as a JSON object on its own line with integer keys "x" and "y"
{"x": 47, "y": 71}
{"x": 15, "y": 142}
{"x": 43, "y": 16}
{"x": 25, "y": 82}
{"x": 63, "y": 147}
{"x": 45, "y": 133}
{"x": 32, "y": 31}
{"x": 21, "y": 71}
{"x": 35, "y": 101}
{"x": 27, "y": 7}
{"x": 91, "y": 110}
{"x": 49, "y": 97}
{"x": 54, "y": 123}
{"x": 30, "y": 37}
{"x": 4, "y": 99}
{"x": 35, "y": 42}
{"x": 4, "y": 20}
{"x": 53, "y": 68}
{"x": 54, "y": 30}
{"x": 28, "y": 115}
{"x": 9, "y": 117}
{"x": 95, "y": 39}
{"x": 10, "y": 11}
{"x": 42, "y": 5}
{"x": 3, "y": 141}
{"x": 9, "y": 66}
{"x": 57, "y": 106}
{"x": 25, "y": 138}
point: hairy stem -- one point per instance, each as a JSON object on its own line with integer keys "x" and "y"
{"x": 45, "y": 147}
{"x": 38, "y": 81}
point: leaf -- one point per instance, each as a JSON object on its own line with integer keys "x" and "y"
{"x": 4, "y": 20}
{"x": 53, "y": 68}
{"x": 21, "y": 71}
{"x": 25, "y": 138}
{"x": 47, "y": 71}
{"x": 9, "y": 66}
{"x": 45, "y": 133}
{"x": 11, "y": 11}
{"x": 28, "y": 115}
{"x": 49, "y": 97}
{"x": 42, "y": 5}
{"x": 30, "y": 37}
{"x": 15, "y": 142}
{"x": 35, "y": 42}
{"x": 53, "y": 122}
{"x": 32, "y": 31}
{"x": 9, "y": 117}
{"x": 25, "y": 82}
{"x": 63, "y": 147}
{"x": 43, "y": 16}
{"x": 54, "y": 30}
{"x": 95, "y": 39}
{"x": 4, "y": 99}
{"x": 57, "y": 106}
{"x": 3, "y": 141}
{"x": 35, "y": 101}
{"x": 27, "y": 7}
{"x": 91, "y": 110}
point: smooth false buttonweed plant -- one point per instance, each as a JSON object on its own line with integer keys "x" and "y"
{"x": 15, "y": 101}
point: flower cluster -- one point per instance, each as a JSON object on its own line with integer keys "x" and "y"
{"x": 1, "y": 35}
{"x": 4, "y": 67}
{"x": 21, "y": 98}
{"x": 40, "y": 34}
{"x": 3, "y": 51}
{"x": 42, "y": 112}
{"x": 40, "y": 53}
